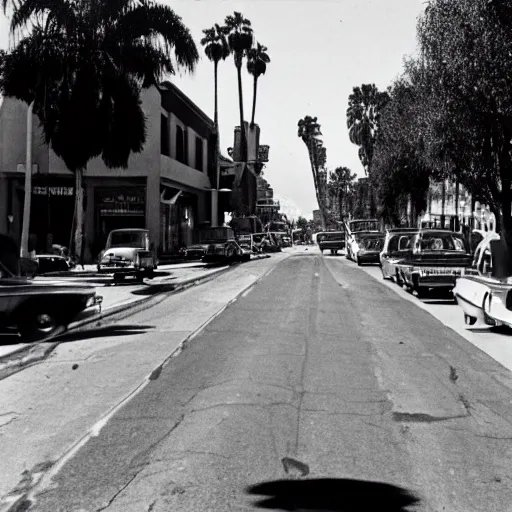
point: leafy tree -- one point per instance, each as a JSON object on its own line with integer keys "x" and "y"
{"x": 257, "y": 60}
{"x": 302, "y": 223}
{"x": 84, "y": 64}
{"x": 240, "y": 40}
{"x": 400, "y": 171}
{"x": 363, "y": 116}
{"x": 309, "y": 132}
{"x": 467, "y": 51}
{"x": 216, "y": 49}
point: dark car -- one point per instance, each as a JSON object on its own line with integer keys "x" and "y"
{"x": 222, "y": 246}
{"x": 333, "y": 241}
{"x": 48, "y": 263}
{"x": 435, "y": 259}
{"x": 38, "y": 310}
{"x": 397, "y": 245}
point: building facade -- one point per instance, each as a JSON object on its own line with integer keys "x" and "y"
{"x": 166, "y": 187}
{"x": 267, "y": 209}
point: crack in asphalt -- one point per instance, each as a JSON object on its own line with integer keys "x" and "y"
{"x": 406, "y": 417}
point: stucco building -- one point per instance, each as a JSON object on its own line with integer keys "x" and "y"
{"x": 166, "y": 187}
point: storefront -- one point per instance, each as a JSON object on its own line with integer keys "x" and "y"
{"x": 51, "y": 210}
{"x": 178, "y": 214}
{"x": 117, "y": 208}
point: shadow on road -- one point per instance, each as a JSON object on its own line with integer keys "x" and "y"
{"x": 333, "y": 494}
{"x": 153, "y": 289}
{"x": 106, "y": 331}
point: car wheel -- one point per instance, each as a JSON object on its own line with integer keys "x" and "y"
{"x": 119, "y": 278}
{"x": 359, "y": 264}
{"x": 421, "y": 292}
{"x": 335, "y": 252}
{"x": 39, "y": 325}
{"x": 469, "y": 320}
{"x": 332, "y": 252}
{"x": 149, "y": 273}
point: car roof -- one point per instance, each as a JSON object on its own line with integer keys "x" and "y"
{"x": 129, "y": 229}
{"x": 438, "y": 232}
{"x": 50, "y": 256}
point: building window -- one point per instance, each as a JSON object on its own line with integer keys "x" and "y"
{"x": 199, "y": 154}
{"x": 164, "y": 136}
{"x": 180, "y": 145}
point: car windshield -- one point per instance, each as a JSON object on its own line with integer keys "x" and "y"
{"x": 331, "y": 237}
{"x": 215, "y": 235}
{"x": 371, "y": 242}
{"x": 135, "y": 239}
{"x": 363, "y": 225}
{"x": 442, "y": 242}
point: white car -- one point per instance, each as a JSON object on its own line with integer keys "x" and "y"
{"x": 484, "y": 299}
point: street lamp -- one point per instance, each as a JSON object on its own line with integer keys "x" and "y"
{"x": 215, "y": 204}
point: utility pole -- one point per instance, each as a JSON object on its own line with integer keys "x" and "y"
{"x": 25, "y": 230}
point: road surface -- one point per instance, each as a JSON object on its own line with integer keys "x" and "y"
{"x": 318, "y": 371}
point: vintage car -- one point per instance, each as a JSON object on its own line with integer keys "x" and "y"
{"x": 38, "y": 310}
{"x": 352, "y": 228}
{"x": 222, "y": 246}
{"x": 436, "y": 259}
{"x": 484, "y": 299}
{"x": 266, "y": 242}
{"x": 48, "y": 263}
{"x": 128, "y": 252}
{"x": 397, "y": 245}
{"x": 365, "y": 247}
{"x": 333, "y": 241}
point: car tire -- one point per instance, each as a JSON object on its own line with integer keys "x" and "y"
{"x": 335, "y": 252}
{"x": 39, "y": 325}
{"x": 359, "y": 264}
{"x": 149, "y": 273}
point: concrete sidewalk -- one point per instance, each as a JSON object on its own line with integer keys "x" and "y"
{"x": 123, "y": 296}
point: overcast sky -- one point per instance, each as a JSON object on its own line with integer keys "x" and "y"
{"x": 320, "y": 50}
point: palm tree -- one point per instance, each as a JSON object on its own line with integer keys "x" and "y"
{"x": 309, "y": 132}
{"x": 257, "y": 60}
{"x": 216, "y": 49}
{"x": 240, "y": 39}
{"x": 84, "y": 64}
{"x": 341, "y": 179}
{"x": 363, "y": 116}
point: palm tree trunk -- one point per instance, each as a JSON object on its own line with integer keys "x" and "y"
{"x": 243, "y": 142}
{"x": 255, "y": 88}
{"x": 79, "y": 207}
{"x": 315, "y": 181}
{"x": 443, "y": 203}
{"x": 457, "y": 188}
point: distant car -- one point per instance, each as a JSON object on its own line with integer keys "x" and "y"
{"x": 222, "y": 246}
{"x": 128, "y": 252}
{"x": 436, "y": 259}
{"x": 39, "y": 310}
{"x": 333, "y": 241}
{"x": 195, "y": 251}
{"x": 396, "y": 247}
{"x": 365, "y": 247}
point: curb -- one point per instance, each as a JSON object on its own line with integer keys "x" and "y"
{"x": 34, "y": 353}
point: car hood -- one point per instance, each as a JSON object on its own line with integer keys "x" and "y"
{"x": 121, "y": 252}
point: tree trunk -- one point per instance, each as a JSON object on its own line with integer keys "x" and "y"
{"x": 255, "y": 89}
{"x": 243, "y": 142}
{"x": 79, "y": 206}
{"x": 315, "y": 181}
{"x": 457, "y": 188}
{"x": 443, "y": 203}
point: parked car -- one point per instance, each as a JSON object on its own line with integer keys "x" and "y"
{"x": 48, "y": 263}
{"x": 436, "y": 259}
{"x": 483, "y": 298}
{"x": 397, "y": 245}
{"x": 222, "y": 246}
{"x": 353, "y": 229}
{"x": 128, "y": 252}
{"x": 39, "y": 310}
{"x": 333, "y": 241}
{"x": 365, "y": 247}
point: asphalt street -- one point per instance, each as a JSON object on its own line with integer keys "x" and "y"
{"x": 318, "y": 371}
